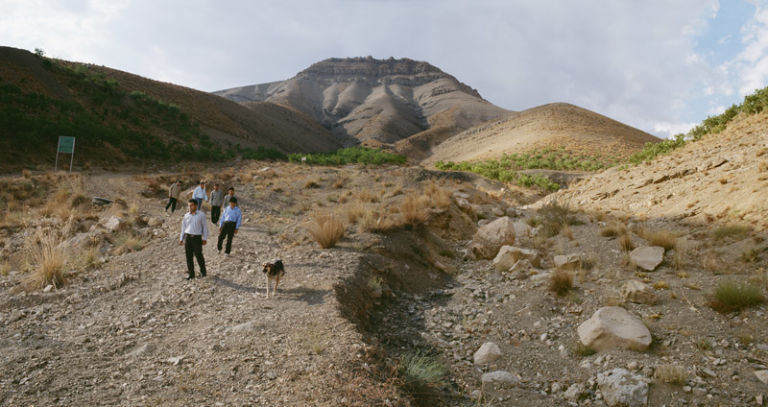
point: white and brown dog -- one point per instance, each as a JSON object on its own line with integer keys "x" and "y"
{"x": 273, "y": 270}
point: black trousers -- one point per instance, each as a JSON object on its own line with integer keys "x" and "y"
{"x": 228, "y": 230}
{"x": 193, "y": 245}
{"x": 171, "y": 204}
{"x": 215, "y": 213}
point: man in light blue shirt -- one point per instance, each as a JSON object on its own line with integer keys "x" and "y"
{"x": 229, "y": 224}
{"x": 200, "y": 195}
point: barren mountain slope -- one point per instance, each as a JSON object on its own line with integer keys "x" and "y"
{"x": 111, "y": 110}
{"x": 722, "y": 176}
{"x": 552, "y": 125}
{"x": 369, "y": 99}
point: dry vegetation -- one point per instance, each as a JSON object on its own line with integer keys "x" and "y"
{"x": 326, "y": 228}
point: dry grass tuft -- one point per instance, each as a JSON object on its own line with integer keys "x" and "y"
{"x": 661, "y": 238}
{"x": 560, "y": 282}
{"x": 552, "y": 217}
{"x": 48, "y": 260}
{"x": 127, "y": 242}
{"x": 625, "y": 242}
{"x": 326, "y": 229}
{"x": 439, "y": 198}
{"x": 311, "y": 184}
{"x": 414, "y": 209}
{"x": 614, "y": 229}
{"x": 671, "y": 374}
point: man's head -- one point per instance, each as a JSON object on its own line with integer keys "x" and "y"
{"x": 233, "y": 202}
{"x": 216, "y": 187}
{"x": 202, "y": 183}
{"x": 192, "y": 205}
{"x": 231, "y": 191}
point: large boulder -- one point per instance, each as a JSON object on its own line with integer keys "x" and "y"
{"x": 489, "y": 238}
{"x": 612, "y": 328}
{"x": 638, "y": 292}
{"x": 620, "y": 387}
{"x": 487, "y": 353}
{"x": 647, "y": 257}
{"x": 508, "y": 256}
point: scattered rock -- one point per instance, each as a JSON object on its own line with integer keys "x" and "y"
{"x": 762, "y": 375}
{"x": 638, "y": 292}
{"x": 489, "y": 238}
{"x": 508, "y": 256}
{"x": 487, "y": 353}
{"x": 614, "y": 327}
{"x": 48, "y": 288}
{"x": 113, "y": 223}
{"x": 575, "y": 392}
{"x": 175, "y": 360}
{"x": 620, "y": 387}
{"x": 499, "y": 376}
{"x": 647, "y": 257}
{"x": 568, "y": 261}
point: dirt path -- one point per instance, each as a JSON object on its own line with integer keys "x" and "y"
{"x": 137, "y": 333}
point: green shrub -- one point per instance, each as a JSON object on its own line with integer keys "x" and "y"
{"x": 344, "y": 156}
{"x": 420, "y": 370}
{"x": 731, "y": 296}
{"x": 731, "y": 231}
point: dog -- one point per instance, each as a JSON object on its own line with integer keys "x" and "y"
{"x": 273, "y": 270}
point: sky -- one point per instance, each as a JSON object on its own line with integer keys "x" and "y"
{"x": 658, "y": 65}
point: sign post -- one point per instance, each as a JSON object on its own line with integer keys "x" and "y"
{"x": 66, "y": 146}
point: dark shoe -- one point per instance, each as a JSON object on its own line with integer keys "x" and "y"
{"x": 190, "y": 278}
{"x": 203, "y": 274}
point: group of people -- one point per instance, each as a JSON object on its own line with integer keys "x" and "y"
{"x": 194, "y": 225}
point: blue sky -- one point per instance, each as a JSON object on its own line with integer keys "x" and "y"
{"x": 659, "y": 65}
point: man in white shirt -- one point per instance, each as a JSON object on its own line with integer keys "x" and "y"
{"x": 194, "y": 235}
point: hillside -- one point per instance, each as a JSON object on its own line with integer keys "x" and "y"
{"x": 131, "y": 118}
{"x": 722, "y": 176}
{"x": 366, "y": 99}
{"x": 548, "y": 126}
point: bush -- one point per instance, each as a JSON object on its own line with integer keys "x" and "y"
{"x": 560, "y": 282}
{"x": 731, "y": 231}
{"x": 344, "y": 156}
{"x": 731, "y": 296}
{"x": 415, "y": 209}
{"x": 420, "y": 371}
{"x": 326, "y": 229}
{"x": 49, "y": 261}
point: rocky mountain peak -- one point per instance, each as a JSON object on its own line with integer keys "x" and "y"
{"x": 372, "y": 67}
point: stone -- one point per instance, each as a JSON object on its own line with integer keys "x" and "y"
{"x": 48, "y": 288}
{"x": 487, "y": 353}
{"x": 638, "y": 292}
{"x": 154, "y": 222}
{"x": 175, "y": 360}
{"x": 113, "y": 223}
{"x": 521, "y": 266}
{"x": 647, "y": 257}
{"x": 568, "y": 261}
{"x": 508, "y": 256}
{"x": 489, "y": 238}
{"x": 762, "y": 375}
{"x": 614, "y": 328}
{"x": 575, "y": 392}
{"x": 499, "y": 376}
{"x": 620, "y": 387}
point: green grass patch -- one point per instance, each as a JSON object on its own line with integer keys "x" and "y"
{"x": 351, "y": 155}
{"x": 730, "y": 296}
{"x": 420, "y": 371}
{"x": 731, "y": 231}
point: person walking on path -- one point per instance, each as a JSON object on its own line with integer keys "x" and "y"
{"x": 173, "y": 196}
{"x": 217, "y": 198}
{"x": 194, "y": 235}
{"x": 230, "y": 194}
{"x": 229, "y": 224}
{"x": 200, "y": 195}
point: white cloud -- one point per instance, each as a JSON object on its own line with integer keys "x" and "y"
{"x": 668, "y": 129}
{"x": 518, "y": 54}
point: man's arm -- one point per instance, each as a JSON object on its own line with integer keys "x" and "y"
{"x": 181, "y": 236}
{"x": 205, "y": 228}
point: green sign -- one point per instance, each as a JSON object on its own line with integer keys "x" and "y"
{"x": 66, "y": 145}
